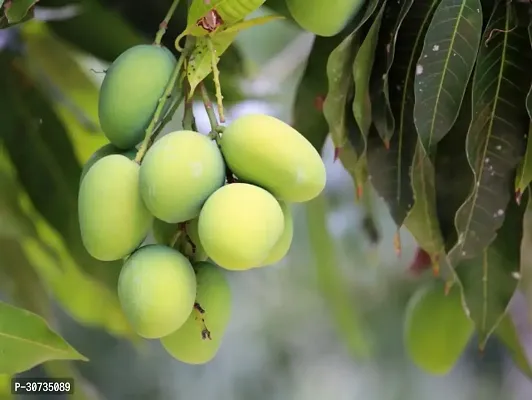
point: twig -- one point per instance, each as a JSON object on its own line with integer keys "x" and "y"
{"x": 160, "y": 107}
{"x": 164, "y": 24}
{"x": 210, "y": 111}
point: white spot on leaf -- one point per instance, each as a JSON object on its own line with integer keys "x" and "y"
{"x": 436, "y": 47}
{"x": 419, "y": 69}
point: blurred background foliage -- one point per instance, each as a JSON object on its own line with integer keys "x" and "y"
{"x": 324, "y": 323}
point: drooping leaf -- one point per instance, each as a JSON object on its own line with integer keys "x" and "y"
{"x": 490, "y": 279}
{"x": 524, "y": 170}
{"x": 350, "y": 324}
{"x": 26, "y": 340}
{"x": 495, "y": 140}
{"x": 507, "y": 333}
{"x": 362, "y": 66}
{"x": 529, "y": 96}
{"x": 392, "y": 21}
{"x": 444, "y": 68}
{"x": 390, "y": 168}
{"x": 45, "y": 162}
{"x": 307, "y": 113}
{"x": 340, "y": 77}
{"x": 200, "y": 65}
{"x": 13, "y": 222}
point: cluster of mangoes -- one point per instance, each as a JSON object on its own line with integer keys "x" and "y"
{"x": 228, "y": 198}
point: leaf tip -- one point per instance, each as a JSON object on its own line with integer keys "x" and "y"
{"x": 420, "y": 263}
{"x": 318, "y": 102}
{"x": 387, "y": 144}
{"x": 518, "y": 196}
{"x": 397, "y": 244}
{"x": 337, "y": 151}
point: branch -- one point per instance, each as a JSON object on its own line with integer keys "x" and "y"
{"x": 164, "y": 24}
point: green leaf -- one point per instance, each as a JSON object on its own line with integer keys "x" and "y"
{"x": 444, "y": 69}
{"x": 5, "y": 387}
{"x": 230, "y": 11}
{"x": 524, "y": 170}
{"x": 362, "y": 67}
{"x": 490, "y": 279}
{"x": 393, "y": 18}
{"x": 529, "y": 96}
{"x": 26, "y": 340}
{"x": 85, "y": 390}
{"x": 340, "y": 78}
{"x": 389, "y": 169}
{"x": 307, "y": 116}
{"x": 16, "y": 10}
{"x": 422, "y": 220}
{"x": 45, "y": 162}
{"x": 200, "y": 65}
{"x": 332, "y": 284}
{"x": 495, "y": 140}
{"x": 97, "y": 30}
{"x": 506, "y": 332}
{"x": 13, "y": 222}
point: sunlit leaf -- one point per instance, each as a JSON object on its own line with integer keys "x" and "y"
{"x": 26, "y": 340}
{"x": 444, "y": 68}
{"x": 495, "y": 140}
{"x": 508, "y": 335}
{"x": 490, "y": 280}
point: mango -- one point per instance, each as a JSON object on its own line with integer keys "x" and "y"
{"x": 436, "y": 328}
{"x": 156, "y": 289}
{"x": 130, "y": 93}
{"x": 199, "y": 339}
{"x": 239, "y": 225}
{"x": 324, "y": 17}
{"x": 280, "y": 249}
{"x": 192, "y": 230}
{"x": 103, "y": 151}
{"x": 163, "y": 232}
{"x": 267, "y": 152}
{"x": 112, "y": 217}
{"x": 179, "y": 173}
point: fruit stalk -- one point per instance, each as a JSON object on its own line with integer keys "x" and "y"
{"x": 164, "y": 24}
{"x": 215, "y": 128}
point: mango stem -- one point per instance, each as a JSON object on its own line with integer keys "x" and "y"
{"x": 164, "y": 24}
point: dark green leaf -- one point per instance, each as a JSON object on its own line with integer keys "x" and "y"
{"x": 45, "y": 162}
{"x": 307, "y": 116}
{"x": 444, "y": 69}
{"x": 508, "y": 335}
{"x": 390, "y": 168}
{"x": 393, "y": 18}
{"x": 340, "y": 77}
{"x": 16, "y": 10}
{"x": 490, "y": 279}
{"x": 495, "y": 140}
{"x": 26, "y": 340}
{"x": 13, "y": 222}
{"x": 529, "y": 96}
{"x": 524, "y": 171}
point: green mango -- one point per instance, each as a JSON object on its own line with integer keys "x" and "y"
{"x": 279, "y": 251}
{"x": 103, "y": 151}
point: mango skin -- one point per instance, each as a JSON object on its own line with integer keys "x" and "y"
{"x": 265, "y": 151}
{"x": 179, "y": 173}
{"x": 103, "y": 151}
{"x": 214, "y": 296}
{"x": 112, "y": 217}
{"x": 130, "y": 93}
{"x": 282, "y": 246}
{"x": 436, "y": 329}
{"x": 156, "y": 289}
{"x": 324, "y": 17}
{"x": 239, "y": 225}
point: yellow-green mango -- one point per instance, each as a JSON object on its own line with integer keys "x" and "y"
{"x": 179, "y": 173}
{"x": 130, "y": 93}
{"x": 103, "y": 151}
{"x": 269, "y": 153}
{"x": 156, "y": 289}
{"x": 239, "y": 225}
{"x": 112, "y": 217}
{"x": 436, "y": 328}
{"x": 282, "y": 246}
{"x": 188, "y": 344}
{"x": 163, "y": 232}
{"x": 324, "y": 17}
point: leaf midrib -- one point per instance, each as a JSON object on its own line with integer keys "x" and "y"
{"x": 38, "y": 344}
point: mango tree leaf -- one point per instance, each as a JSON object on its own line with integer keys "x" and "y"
{"x": 340, "y": 77}
{"x": 200, "y": 65}
{"x": 495, "y": 140}
{"x": 350, "y": 324}
{"x": 390, "y": 168}
{"x": 443, "y": 70}
{"x": 45, "y": 162}
{"x": 524, "y": 171}
{"x": 85, "y": 390}
{"x": 26, "y": 340}
{"x": 529, "y": 96}
{"x": 392, "y": 20}
{"x": 490, "y": 279}
{"x": 96, "y": 30}
{"x": 307, "y": 113}
{"x": 16, "y": 10}
{"x": 507, "y": 333}
{"x": 5, "y": 387}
